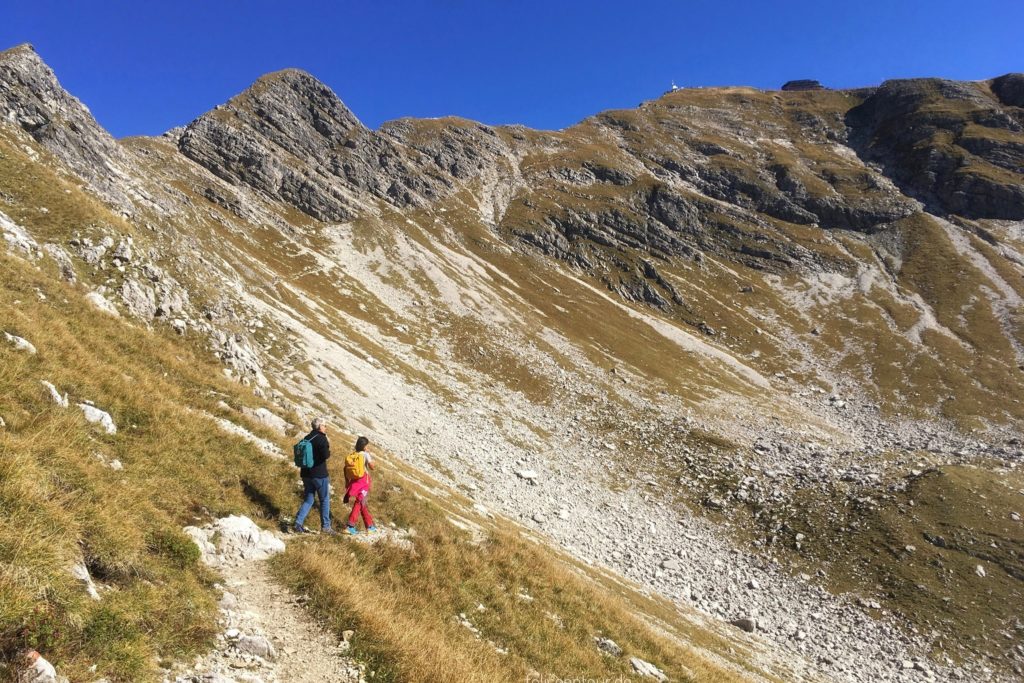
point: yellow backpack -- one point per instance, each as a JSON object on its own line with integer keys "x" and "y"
{"x": 355, "y": 466}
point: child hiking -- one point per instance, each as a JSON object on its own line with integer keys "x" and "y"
{"x": 357, "y": 485}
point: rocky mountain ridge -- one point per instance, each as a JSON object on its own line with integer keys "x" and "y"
{"x": 759, "y": 293}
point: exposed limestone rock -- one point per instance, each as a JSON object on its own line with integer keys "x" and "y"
{"x": 234, "y": 539}
{"x": 31, "y": 98}
{"x": 17, "y": 237}
{"x": 908, "y": 125}
{"x": 38, "y": 670}
{"x": 139, "y": 299}
{"x": 81, "y": 572}
{"x": 56, "y": 396}
{"x": 267, "y": 417}
{"x": 96, "y": 416}
{"x": 20, "y": 343}
{"x": 647, "y": 669}
{"x": 100, "y": 303}
{"x": 1010, "y": 89}
{"x": 236, "y": 352}
{"x": 63, "y": 260}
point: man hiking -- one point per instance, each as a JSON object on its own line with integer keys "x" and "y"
{"x": 315, "y": 480}
{"x": 357, "y": 485}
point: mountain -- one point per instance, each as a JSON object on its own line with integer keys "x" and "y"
{"x": 772, "y": 340}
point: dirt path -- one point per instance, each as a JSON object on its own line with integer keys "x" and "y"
{"x": 267, "y": 636}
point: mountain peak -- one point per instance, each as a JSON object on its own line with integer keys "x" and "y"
{"x": 33, "y": 99}
{"x": 22, "y": 49}
{"x": 298, "y": 95}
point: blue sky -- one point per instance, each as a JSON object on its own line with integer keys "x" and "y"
{"x": 145, "y": 66}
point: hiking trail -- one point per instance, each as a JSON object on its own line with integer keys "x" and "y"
{"x": 268, "y": 636}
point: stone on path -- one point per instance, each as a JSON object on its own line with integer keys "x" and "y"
{"x": 256, "y": 645}
{"x": 237, "y": 539}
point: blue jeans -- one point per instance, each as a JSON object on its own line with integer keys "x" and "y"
{"x": 321, "y": 488}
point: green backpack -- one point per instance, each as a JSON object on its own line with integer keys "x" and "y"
{"x": 303, "y": 452}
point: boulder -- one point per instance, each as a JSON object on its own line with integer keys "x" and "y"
{"x": 100, "y": 303}
{"x": 748, "y": 624}
{"x": 233, "y": 539}
{"x": 259, "y": 646}
{"x": 608, "y": 646}
{"x": 37, "y": 670}
{"x": 16, "y": 236}
{"x": 94, "y": 415}
{"x": 265, "y": 416}
{"x": 647, "y": 669}
{"x": 20, "y": 343}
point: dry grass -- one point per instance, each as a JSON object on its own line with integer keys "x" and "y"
{"x": 61, "y": 504}
{"x": 403, "y": 603}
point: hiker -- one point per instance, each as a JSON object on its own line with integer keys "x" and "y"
{"x": 357, "y": 485}
{"x": 315, "y": 480}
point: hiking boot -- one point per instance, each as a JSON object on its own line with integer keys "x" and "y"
{"x": 351, "y": 530}
{"x": 371, "y": 529}
{"x": 329, "y": 532}
{"x": 299, "y": 529}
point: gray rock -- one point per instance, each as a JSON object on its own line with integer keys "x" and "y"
{"x": 258, "y": 646}
{"x": 31, "y": 96}
{"x": 81, "y": 572}
{"x": 55, "y": 396}
{"x": 20, "y": 343}
{"x": 94, "y": 415}
{"x": 608, "y": 646}
{"x": 268, "y": 418}
{"x": 37, "y": 670}
{"x": 16, "y": 236}
{"x": 100, "y": 303}
{"x": 63, "y": 260}
{"x": 647, "y": 669}
{"x": 233, "y": 539}
{"x": 748, "y": 624}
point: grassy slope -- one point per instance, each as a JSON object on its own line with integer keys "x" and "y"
{"x": 61, "y": 504}
{"x": 402, "y": 602}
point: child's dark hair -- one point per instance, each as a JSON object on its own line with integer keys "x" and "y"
{"x": 361, "y": 443}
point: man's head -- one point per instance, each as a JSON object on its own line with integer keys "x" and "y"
{"x": 320, "y": 424}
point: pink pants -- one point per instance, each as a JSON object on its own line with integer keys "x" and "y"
{"x": 357, "y": 492}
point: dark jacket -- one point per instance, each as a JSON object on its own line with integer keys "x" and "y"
{"x": 321, "y": 452}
